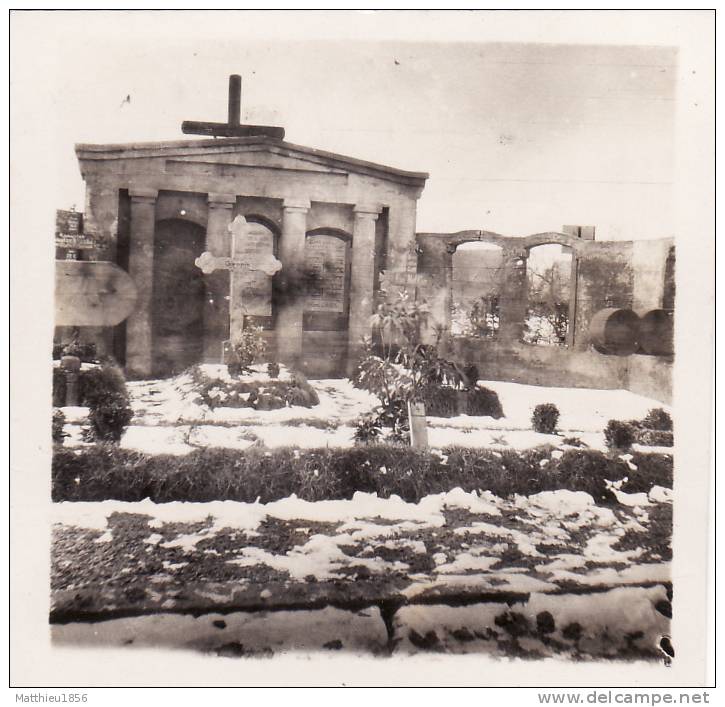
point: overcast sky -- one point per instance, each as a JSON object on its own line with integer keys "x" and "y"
{"x": 517, "y": 137}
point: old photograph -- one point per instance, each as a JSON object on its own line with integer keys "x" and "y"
{"x": 362, "y": 348}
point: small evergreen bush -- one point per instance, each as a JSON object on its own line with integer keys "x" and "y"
{"x": 99, "y": 382}
{"x": 545, "y": 418}
{"x": 658, "y": 419}
{"x": 273, "y": 369}
{"x": 109, "y": 416}
{"x": 619, "y": 435}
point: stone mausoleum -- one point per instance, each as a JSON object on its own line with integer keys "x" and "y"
{"x": 334, "y": 222}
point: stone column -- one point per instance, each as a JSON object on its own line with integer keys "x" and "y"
{"x": 216, "y": 301}
{"x": 291, "y": 292}
{"x": 513, "y": 302}
{"x": 362, "y": 273}
{"x": 139, "y": 333}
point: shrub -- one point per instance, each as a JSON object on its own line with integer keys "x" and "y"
{"x": 57, "y": 431}
{"x": 483, "y": 401}
{"x": 545, "y": 418}
{"x": 587, "y": 470}
{"x": 100, "y": 382}
{"x": 440, "y": 401}
{"x": 249, "y": 347}
{"x": 273, "y": 370}
{"x": 619, "y": 435}
{"x": 105, "y": 471}
{"x": 658, "y": 419}
{"x": 109, "y": 416}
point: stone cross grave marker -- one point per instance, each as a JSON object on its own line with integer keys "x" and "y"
{"x": 242, "y": 262}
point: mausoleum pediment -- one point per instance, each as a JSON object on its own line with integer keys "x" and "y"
{"x": 259, "y": 151}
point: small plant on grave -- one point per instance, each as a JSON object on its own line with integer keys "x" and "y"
{"x": 658, "y": 419}
{"x": 619, "y": 435}
{"x": 57, "y": 431}
{"x": 545, "y": 418}
{"x": 249, "y": 347}
{"x": 273, "y": 369}
{"x": 367, "y": 429}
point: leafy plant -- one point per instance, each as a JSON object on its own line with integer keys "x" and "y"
{"x": 545, "y": 418}
{"x": 273, "y": 369}
{"x": 367, "y": 429}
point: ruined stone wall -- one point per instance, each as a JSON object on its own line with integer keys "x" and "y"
{"x": 628, "y": 275}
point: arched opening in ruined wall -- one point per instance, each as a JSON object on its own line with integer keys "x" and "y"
{"x": 548, "y": 294}
{"x": 477, "y": 275}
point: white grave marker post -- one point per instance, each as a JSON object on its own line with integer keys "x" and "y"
{"x": 242, "y": 262}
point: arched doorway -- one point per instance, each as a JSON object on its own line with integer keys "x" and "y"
{"x": 178, "y": 300}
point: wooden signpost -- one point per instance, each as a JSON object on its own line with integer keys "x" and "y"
{"x": 244, "y": 261}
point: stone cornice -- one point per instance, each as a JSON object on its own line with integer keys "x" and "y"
{"x": 181, "y": 148}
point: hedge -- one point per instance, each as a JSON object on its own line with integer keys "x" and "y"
{"x": 106, "y": 472}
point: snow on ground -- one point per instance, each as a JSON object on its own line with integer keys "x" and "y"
{"x": 168, "y": 417}
{"x": 543, "y": 535}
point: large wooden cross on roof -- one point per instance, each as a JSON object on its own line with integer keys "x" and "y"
{"x": 232, "y": 128}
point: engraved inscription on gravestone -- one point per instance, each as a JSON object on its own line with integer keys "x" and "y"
{"x": 325, "y": 262}
{"x": 256, "y": 285}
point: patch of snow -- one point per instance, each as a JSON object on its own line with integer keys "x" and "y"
{"x": 465, "y": 561}
{"x": 562, "y": 502}
{"x": 74, "y": 413}
{"x": 157, "y": 440}
{"x": 214, "y": 436}
{"x": 660, "y": 494}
